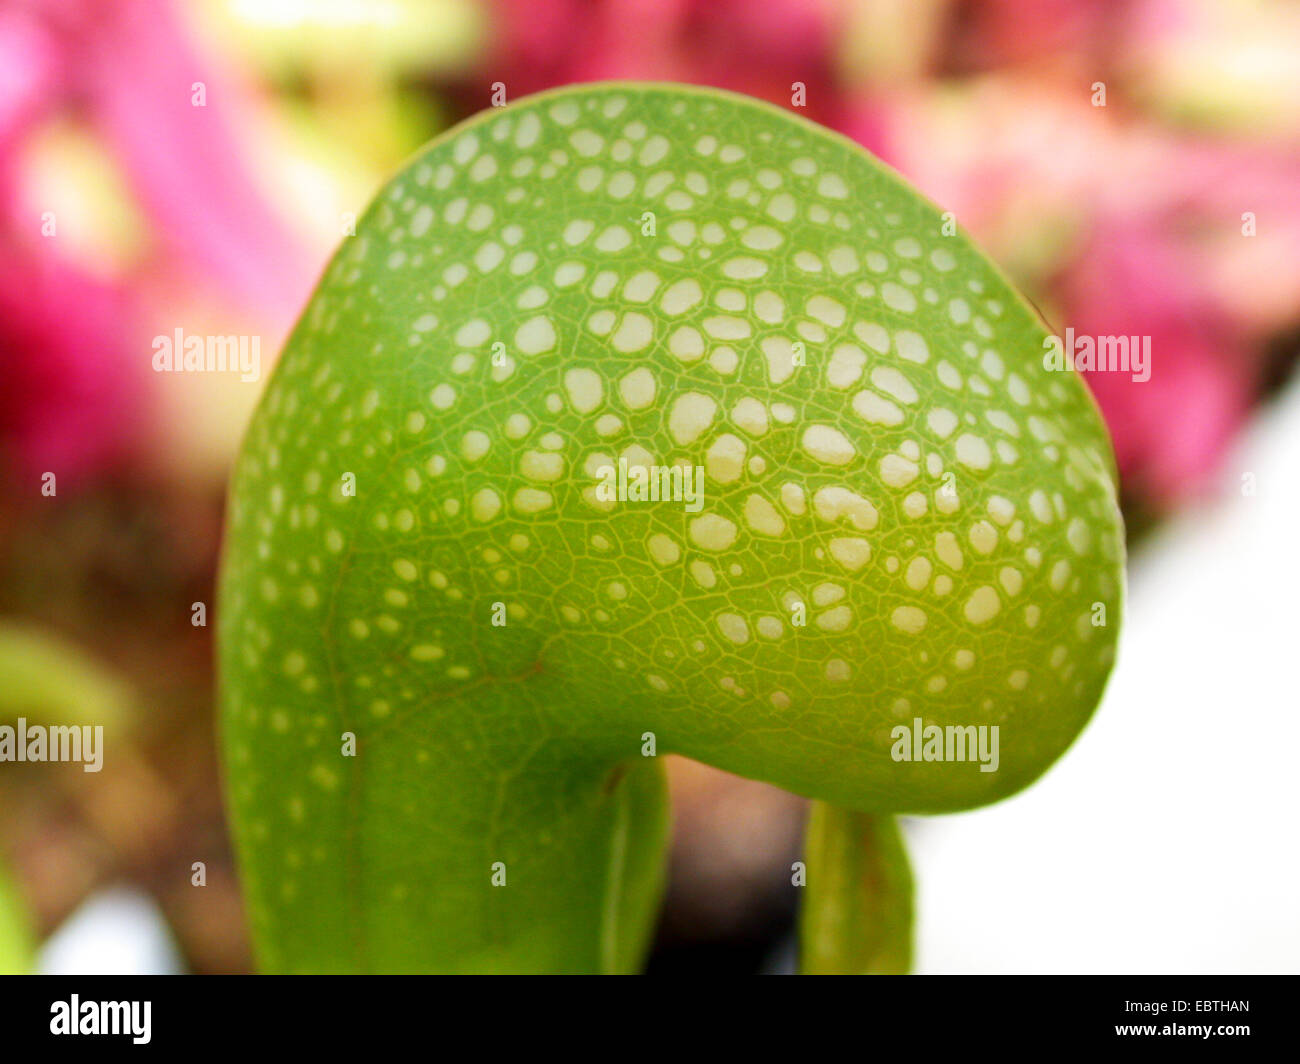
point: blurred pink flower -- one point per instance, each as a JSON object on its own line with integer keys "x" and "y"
{"x": 127, "y": 71}
{"x": 1170, "y": 431}
{"x": 759, "y": 49}
{"x": 71, "y": 395}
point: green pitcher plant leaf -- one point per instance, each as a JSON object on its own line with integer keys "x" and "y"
{"x": 857, "y": 915}
{"x": 638, "y": 419}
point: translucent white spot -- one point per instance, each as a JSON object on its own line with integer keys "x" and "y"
{"x": 535, "y": 336}
{"x": 585, "y": 388}
{"x": 942, "y": 421}
{"x": 634, "y": 333}
{"x": 917, "y": 574}
{"x": 852, "y": 552}
{"x": 744, "y": 268}
{"x": 897, "y": 471}
{"x": 663, "y": 549}
{"x": 727, "y": 328}
{"x": 577, "y": 231}
{"x": 615, "y": 238}
{"x": 897, "y": 297}
{"x": 733, "y": 627}
{"x": 750, "y": 416}
{"x": 686, "y": 344}
{"x": 531, "y": 500}
{"x": 681, "y": 296}
{"x": 725, "y": 460}
{"x": 473, "y": 333}
{"x": 761, "y": 238}
{"x": 948, "y": 551}
{"x": 892, "y": 382}
{"x": 846, "y": 364}
{"x": 541, "y": 465}
{"x": 762, "y": 517}
{"x": 834, "y": 502}
{"x": 909, "y": 619}
{"x": 876, "y": 409}
{"x": 779, "y": 352}
{"x": 982, "y": 606}
{"x": 712, "y": 532}
{"x": 475, "y": 444}
{"x": 911, "y": 346}
{"x": 973, "y": 451}
{"x": 691, "y": 415}
{"x": 769, "y": 307}
{"x": 637, "y": 388}
{"x": 828, "y": 445}
{"x": 484, "y": 505}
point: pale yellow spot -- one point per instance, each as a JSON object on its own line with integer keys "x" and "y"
{"x": 532, "y": 500}
{"x": 762, "y": 517}
{"x": 685, "y": 343}
{"x": 792, "y": 498}
{"x": 725, "y": 460}
{"x": 691, "y": 416}
{"x": 983, "y": 537}
{"x": 733, "y": 627}
{"x": 897, "y": 471}
{"x": 703, "y": 574}
{"x": 982, "y": 606}
{"x": 835, "y": 620}
{"x": 541, "y": 465}
{"x": 681, "y": 296}
{"x": 637, "y": 388}
{"x": 1001, "y": 509}
{"x": 828, "y": 445}
{"x": 779, "y": 352}
{"x": 911, "y": 346}
{"x": 535, "y": 336}
{"x": 834, "y": 502}
{"x": 634, "y": 333}
{"x": 941, "y": 422}
{"x": 892, "y": 382}
{"x": 826, "y": 594}
{"x": 973, "y": 451}
{"x": 918, "y": 573}
{"x": 909, "y": 619}
{"x": 948, "y": 551}
{"x": 852, "y": 552}
{"x": 750, "y": 416}
{"x": 837, "y": 670}
{"x": 585, "y": 388}
{"x": 712, "y": 532}
{"x": 846, "y": 364}
{"x": 474, "y": 445}
{"x": 664, "y": 549}
{"x": 876, "y": 409}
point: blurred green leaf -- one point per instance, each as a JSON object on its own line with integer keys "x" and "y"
{"x": 49, "y": 679}
{"x": 857, "y": 910}
{"x": 16, "y": 944}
